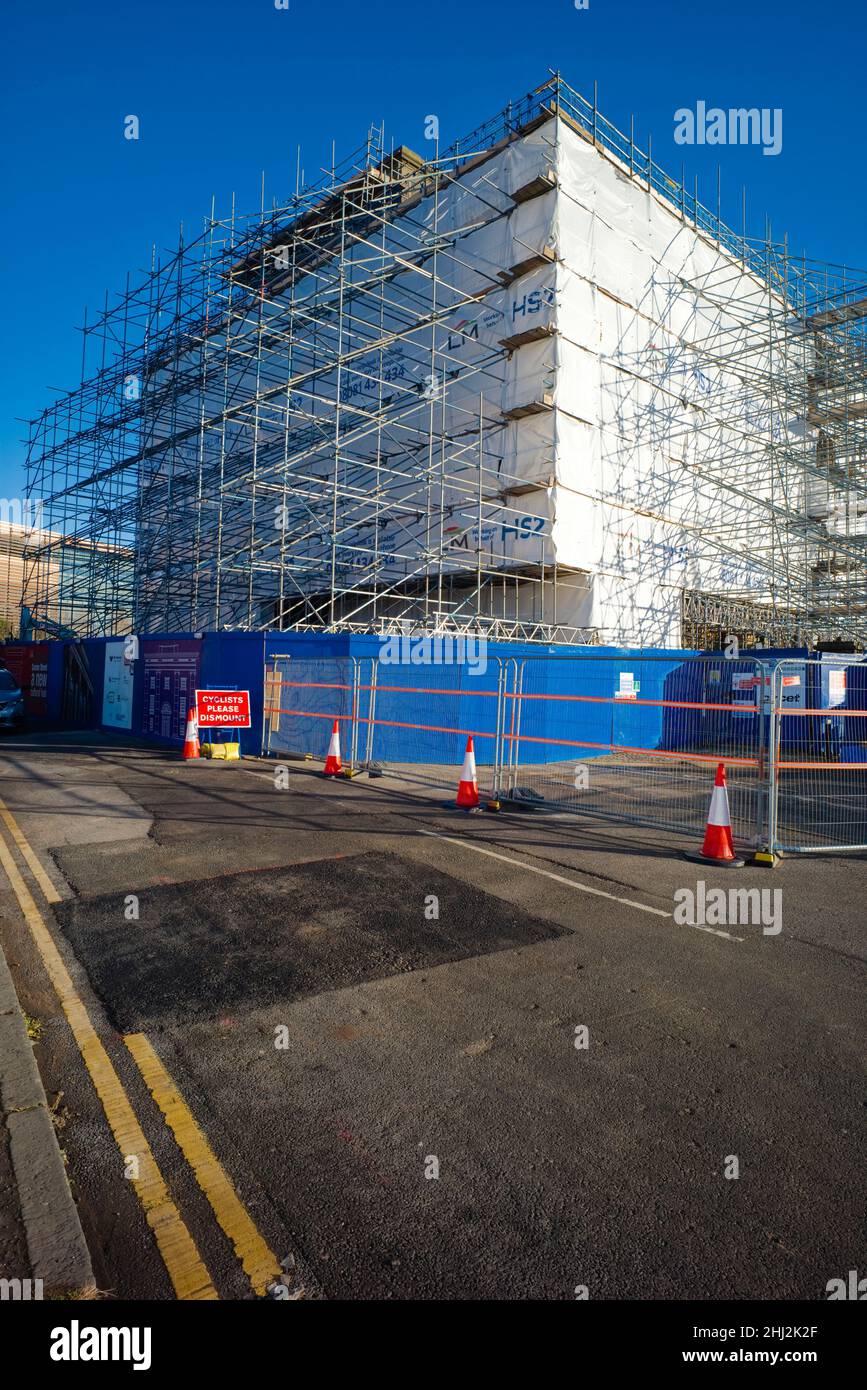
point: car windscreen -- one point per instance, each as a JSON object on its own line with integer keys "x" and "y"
{"x": 7, "y": 682}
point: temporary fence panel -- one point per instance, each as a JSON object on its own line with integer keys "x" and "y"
{"x": 818, "y": 768}
{"x": 302, "y": 700}
{"x": 638, "y": 738}
{"x": 423, "y": 716}
{"x": 414, "y": 720}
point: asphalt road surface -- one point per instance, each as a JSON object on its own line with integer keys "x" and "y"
{"x": 368, "y": 1004}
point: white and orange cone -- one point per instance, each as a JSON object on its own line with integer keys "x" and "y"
{"x": 191, "y": 736}
{"x": 718, "y": 847}
{"x": 333, "y": 765}
{"x": 468, "y": 787}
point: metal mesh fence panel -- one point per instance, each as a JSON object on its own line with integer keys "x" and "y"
{"x": 424, "y": 714}
{"x": 638, "y": 739}
{"x": 302, "y": 700}
{"x": 820, "y": 754}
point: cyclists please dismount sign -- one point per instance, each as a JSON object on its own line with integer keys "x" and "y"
{"x": 223, "y": 709}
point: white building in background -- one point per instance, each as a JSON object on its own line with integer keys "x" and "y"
{"x": 14, "y": 537}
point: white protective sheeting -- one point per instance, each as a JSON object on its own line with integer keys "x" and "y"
{"x": 628, "y": 408}
{"x": 637, "y": 501}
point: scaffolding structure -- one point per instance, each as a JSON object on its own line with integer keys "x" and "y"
{"x": 302, "y": 418}
{"x": 800, "y": 350}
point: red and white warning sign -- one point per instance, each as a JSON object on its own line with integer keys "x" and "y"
{"x": 745, "y": 693}
{"x": 836, "y": 687}
{"x": 223, "y": 709}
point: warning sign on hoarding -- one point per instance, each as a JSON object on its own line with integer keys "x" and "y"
{"x": 745, "y": 687}
{"x": 836, "y": 687}
{"x": 223, "y": 709}
{"x": 628, "y": 688}
{"x": 792, "y": 692}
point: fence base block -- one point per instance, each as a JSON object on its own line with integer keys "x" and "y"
{"x": 763, "y": 859}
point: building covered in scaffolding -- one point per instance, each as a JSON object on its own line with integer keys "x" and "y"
{"x": 529, "y": 387}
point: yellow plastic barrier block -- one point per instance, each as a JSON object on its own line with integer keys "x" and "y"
{"x": 225, "y": 751}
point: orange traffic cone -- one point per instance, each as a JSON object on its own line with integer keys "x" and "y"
{"x": 718, "y": 847}
{"x": 191, "y": 737}
{"x": 468, "y": 787}
{"x": 332, "y": 762}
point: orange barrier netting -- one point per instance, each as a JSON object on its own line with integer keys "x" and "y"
{"x": 827, "y": 767}
{"x": 426, "y": 690}
{"x": 579, "y": 699}
{"x": 313, "y": 685}
{"x": 830, "y": 713}
{"x": 620, "y": 700}
{"x": 509, "y": 695}
{"x": 386, "y": 723}
{"x": 530, "y": 738}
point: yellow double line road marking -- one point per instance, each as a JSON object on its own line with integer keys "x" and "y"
{"x": 188, "y": 1274}
{"x": 49, "y": 892}
{"x": 185, "y": 1267}
{"x": 258, "y": 1262}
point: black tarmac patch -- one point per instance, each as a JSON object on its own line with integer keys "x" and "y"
{"x": 252, "y": 939}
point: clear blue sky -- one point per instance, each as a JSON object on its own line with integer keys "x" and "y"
{"x": 227, "y": 88}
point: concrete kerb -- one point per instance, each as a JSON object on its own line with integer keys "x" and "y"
{"x": 55, "y": 1241}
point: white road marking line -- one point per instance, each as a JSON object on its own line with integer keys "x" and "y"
{"x": 569, "y": 882}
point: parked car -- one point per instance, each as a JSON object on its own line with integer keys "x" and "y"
{"x": 11, "y": 702}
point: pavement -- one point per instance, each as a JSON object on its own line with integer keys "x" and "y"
{"x": 370, "y": 1011}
